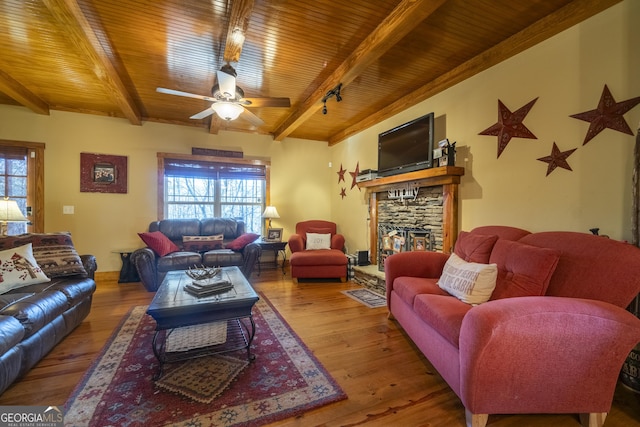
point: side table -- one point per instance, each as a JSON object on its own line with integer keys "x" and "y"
{"x": 128, "y": 272}
{"x": 276, "y": 248}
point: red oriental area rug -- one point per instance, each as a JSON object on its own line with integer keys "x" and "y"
{"x": 284, "y": 380}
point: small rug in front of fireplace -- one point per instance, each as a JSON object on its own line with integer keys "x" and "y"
{"x": 366, "y": 297}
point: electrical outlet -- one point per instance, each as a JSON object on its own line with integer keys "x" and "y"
{"x": 68, "y": 210}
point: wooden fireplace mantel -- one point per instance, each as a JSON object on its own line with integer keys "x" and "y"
{"x": 447, "y": 176}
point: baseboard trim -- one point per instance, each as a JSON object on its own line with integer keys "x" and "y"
{"x": 107, "y": 275}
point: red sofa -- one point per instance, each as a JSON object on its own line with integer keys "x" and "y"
{"x": 560, "y": 351}
{"x": 330, "y": 262}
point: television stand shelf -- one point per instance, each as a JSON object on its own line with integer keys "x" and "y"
{"x": 424, "y": 178}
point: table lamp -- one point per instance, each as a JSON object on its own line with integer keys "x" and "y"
{"x": 9, "y": 212}
{"x": 269, "y": 213}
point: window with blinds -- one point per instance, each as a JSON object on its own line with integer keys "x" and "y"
{"x": 203, "y": 189}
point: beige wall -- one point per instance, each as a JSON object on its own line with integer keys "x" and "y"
{"x": 567, "y": 74}
{"x": 103, "y": 223}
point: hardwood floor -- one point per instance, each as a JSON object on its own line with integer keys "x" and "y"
{"x": 387, "y": 380}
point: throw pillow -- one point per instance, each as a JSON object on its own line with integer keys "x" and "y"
{"x": 318, "y": 241}
{"x": 523, "y": 270}
{"x": 19, "y": 268}
{"x": 54, "y": 252}
{"x": 202, "y": 243}
{"x": 240, "y": 242}
{"x": 475, "y": 247}
{"x": 470, "y": 282}
{"x": 159, "y": 243}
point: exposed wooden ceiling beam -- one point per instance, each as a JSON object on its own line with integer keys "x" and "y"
{"x": 214, "y": 124}
{"x": 238, "y": 24}
{"x": 404, "y": 18}
{"x": 13, "y": 88}
{"x": 550, "y": 25}
{"x": 239, "y": 18}
{"x": 70, "y": 17}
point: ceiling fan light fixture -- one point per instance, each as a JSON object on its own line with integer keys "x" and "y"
{"x": 227, "y": 110}
{"x": 237, "y": 36}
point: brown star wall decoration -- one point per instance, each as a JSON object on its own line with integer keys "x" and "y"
{"x": 341, "y": 173}
{"x": 557, "y": 159}
{"x": 354, "y": 175}
{"x": 343, "y": 192}
{"x": 510, "y": 125}
{"x": 608, "y": 114}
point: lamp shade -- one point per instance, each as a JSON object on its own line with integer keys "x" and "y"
{"x": 227, "y": 110}
{"x": 10, "y": 212}
{"x": 270, "y": 212}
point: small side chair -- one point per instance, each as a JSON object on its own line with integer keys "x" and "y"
{"x": 317, "y": 251}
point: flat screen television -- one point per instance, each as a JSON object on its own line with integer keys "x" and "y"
{"x": 406, "y": 148}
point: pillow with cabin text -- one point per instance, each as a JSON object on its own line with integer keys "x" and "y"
{"x": 470, "y": 282}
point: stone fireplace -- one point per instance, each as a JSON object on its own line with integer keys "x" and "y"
{"x": 420, "y": 206}
{"x": 409, "y": 224}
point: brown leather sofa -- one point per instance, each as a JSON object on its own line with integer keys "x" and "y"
{"x": 153, "y": 268}
{"x": 35, "y": 318}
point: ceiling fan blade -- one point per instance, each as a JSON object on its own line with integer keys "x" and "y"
{"x": 202, "y": 114}
{"x": 227, "y": 84}
{"x": 252, "y": 118}
{"x": 267, "y": 102}
{"x": 187, "y": 94}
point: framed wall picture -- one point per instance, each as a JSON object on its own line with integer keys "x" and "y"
{"x": 383, "y": 256}
{"x": 274, "y": 234}
{"x": 420, "y": 240}
{"x": 398, "y": 243}
{"x": 387, "y": 244}
{"x": 103, "y": 173}
{"x": 419, "y": 244}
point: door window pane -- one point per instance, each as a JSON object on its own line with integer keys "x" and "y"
{"x": 13, "y": 182}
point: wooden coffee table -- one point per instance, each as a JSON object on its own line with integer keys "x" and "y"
{"x": 173, "y": 308}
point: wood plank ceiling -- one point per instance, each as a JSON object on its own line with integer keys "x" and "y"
{"x": 108, "y": 57}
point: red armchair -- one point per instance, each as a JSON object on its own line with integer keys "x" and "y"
{"x": 328, "y": 262}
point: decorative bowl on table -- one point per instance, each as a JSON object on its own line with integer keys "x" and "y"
{"x": 203, "y": 273}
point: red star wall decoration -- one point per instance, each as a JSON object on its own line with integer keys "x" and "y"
{"x": 557, "y": 158}
{"x": 343, "y": 192}
{"x": 608, "y": 114}
{"x": 341, "y": 174}
{"x": 354, "y": 175}
{"x": 510, "y": 125}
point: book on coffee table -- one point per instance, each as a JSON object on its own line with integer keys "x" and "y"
{"x": 202, "y": 288}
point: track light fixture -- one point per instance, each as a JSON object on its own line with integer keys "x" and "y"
{"x": 333, "y": 92}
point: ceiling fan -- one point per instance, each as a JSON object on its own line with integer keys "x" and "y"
{"x": 228, "y": 100}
